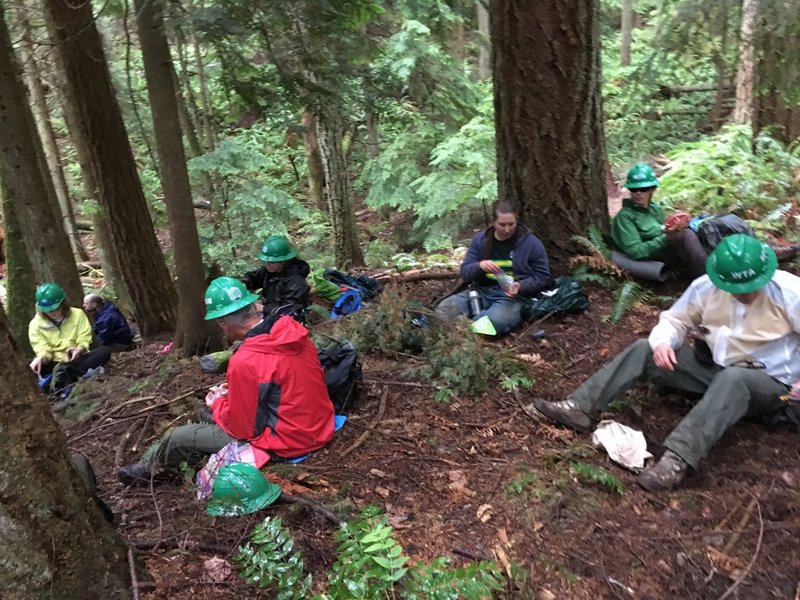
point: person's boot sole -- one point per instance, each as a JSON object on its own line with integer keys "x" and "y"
{"x": 561, "y": 417}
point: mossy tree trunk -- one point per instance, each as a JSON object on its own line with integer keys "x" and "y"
{"x": 54, "y": 543}
{"x": 192, "y": 333}
{"x": 548, "y": 114}
{"x": 24, "y": 174}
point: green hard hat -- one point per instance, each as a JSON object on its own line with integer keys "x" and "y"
{"x": 226, "y": 295}
{"x": 49, "y": 296}
{"x": 741, "y": 264}
{"x": 277, "y": 248}
{"x": 240, "y": 489}
{"x": 641, "y": 175}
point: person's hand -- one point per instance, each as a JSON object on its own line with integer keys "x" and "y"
{"x": 73, "y": 353}
{"x": 664, "y": 357}
{"x": 512, "y": 289}
{"x": 214, "y": 393}
{"x": 489, "y": 266}
{"x": 676, "y": 223}
{"x": 36, "y": 365}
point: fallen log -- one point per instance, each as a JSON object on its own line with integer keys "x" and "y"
{"x": 417, "y": 275}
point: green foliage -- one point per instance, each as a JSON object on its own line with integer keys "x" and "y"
{"x": 629, "y": 294}
{"x": 267, "y": 561}
{"x": 593, "y": 242}
{"x": 370, "y": 565}
{"x": 597, "y": 475}
{"x": 513, "y": 382}
{"x": 730, "y": 171}
{"x": 520, "y": 484}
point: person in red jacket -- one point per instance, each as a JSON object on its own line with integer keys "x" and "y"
{"x": 274, "y": 397}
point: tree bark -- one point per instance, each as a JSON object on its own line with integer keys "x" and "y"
{"x": 484, "y": 45}
{"x": 73, "y": 32}
{"x": 193, "y": 334}
{"x": 548, "y": 113}
{"x": 54, "y": 543}
{"x": 41, "y": 115}
{"x": 746, "y": 74}
{"x": 337, "y": 183}
{"x": 23, "y": 174}
{"x": 626, "y": 33}
{"x": 316, "y": 172}
{"x": 20, "y": 284}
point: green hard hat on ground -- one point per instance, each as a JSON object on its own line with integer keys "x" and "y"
{"x": 741, "y": 264}
{"x": 240, "y": 489}
{"x": 49, "y": 296}
{"x": 641, "y": 175}
{"x": 226, "y": 295}
{"x": 277, "y": 248}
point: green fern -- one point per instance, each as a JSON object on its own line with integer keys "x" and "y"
{"x": 584, "y": 275}
{"x": 630, "y": 294}
{"x": 268, "y": 561}
{"x": 597, "y": 475}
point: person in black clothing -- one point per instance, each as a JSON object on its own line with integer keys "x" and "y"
{"x": 282, "y": 279}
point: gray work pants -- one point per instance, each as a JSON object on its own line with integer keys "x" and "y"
{"x": 728, "y": 394}
{"x": 188, "y": 443}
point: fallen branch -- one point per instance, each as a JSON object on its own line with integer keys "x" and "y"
{"x": 743, "y": 521}
{"x": 175, "y": 544}
{"x": 142, "y": 432}
{"x": 749, "y": 566}
{"x": 417, "y": 275}
{"x": 363, "y": 437}
{"x": 134, "y": 579}
{"x": 315, "y": 506}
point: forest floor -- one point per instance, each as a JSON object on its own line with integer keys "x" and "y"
{"x": 430, "y": 466}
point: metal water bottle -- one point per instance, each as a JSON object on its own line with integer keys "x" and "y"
{"x": 474, "y": 303}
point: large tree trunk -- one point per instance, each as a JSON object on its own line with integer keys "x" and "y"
{"x": 626, "y": 33}
{"x": 484, "y": 53}
{"x": 746, "y": 74}
{"x": 54, "y": 543}
{"x": 548, "y": 112}
{"x": 23, "y": 173}
{"x": 73, "y": 31}
{"x": 192, "y": 333}
{"x": 41, "y": 115}
{"x": 337, "y": 185}
{"x": 20, "y": 284}
{"x": 316, "y": 172}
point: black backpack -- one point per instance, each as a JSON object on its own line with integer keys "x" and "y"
{"x": 342, "y": 374}
{"x": 712, "y": 230}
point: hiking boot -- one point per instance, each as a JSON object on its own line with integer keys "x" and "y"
{"x": 567, "y": 412}
{"x": 666, "y": 474}
{"x": 134, "y": 473}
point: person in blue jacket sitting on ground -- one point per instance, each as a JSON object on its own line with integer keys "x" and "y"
{"x": 507, "y": 264}
{"x": 109, "y": 326}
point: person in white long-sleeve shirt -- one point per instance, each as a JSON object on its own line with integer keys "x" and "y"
{"x": 745, "y": 315}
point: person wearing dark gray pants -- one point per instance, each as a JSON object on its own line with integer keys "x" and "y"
{"x": 746, "y": 315}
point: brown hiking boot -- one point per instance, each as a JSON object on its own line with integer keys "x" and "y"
{"x": 666, "y": 474}
{"x": 567, "y": 412}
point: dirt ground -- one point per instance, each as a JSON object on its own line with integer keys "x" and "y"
{"x": 432, "y": 465}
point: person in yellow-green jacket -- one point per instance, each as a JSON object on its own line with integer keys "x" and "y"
{"x": 61, "y": 338}
{"x": 640, "y": 232}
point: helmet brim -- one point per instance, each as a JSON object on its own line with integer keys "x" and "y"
{"x": 232, "y": 307}
{"x": 277, "y": 258}
{"x": 637, "y": 185}
{"x": 743, "y": 287}
{"x": 53, "y": 307}
{"x": 244, "y": 506}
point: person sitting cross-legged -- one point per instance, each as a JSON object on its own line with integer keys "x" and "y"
{"x": 109, "y": 326}
{"x": 274, "y": 397}
{"x": 61, "y": 338}
{"x": 748, "y": 315}
{"x": 507, "y": 264}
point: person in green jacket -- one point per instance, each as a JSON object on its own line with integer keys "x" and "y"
{"x": 639, "y": 230}
{"x": 61, "y": 337}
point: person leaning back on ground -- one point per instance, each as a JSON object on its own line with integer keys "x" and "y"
{"x": 748, "y": 314}
{"x": 282, "y": 279}
{"x": 61, "y": 338}
{"x": 639, "y": 231}
{"x": 109, "y": 325}
{"x": 505, "y": 248}
{"x": 274, "y": 398}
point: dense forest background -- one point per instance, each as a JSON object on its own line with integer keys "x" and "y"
{"x": 147, "y": 146}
